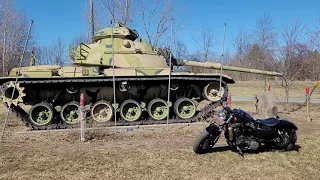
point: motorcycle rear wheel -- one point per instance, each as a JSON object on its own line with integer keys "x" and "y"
{"x": 289, "y": 139}
{"x": 292, "y": 140}
{"x": 204, "y": 142}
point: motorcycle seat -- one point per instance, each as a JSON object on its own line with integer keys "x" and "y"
{"x": 270, "y": 122}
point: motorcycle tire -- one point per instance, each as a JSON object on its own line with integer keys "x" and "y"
{"x": 292, "y": 139}
{"x": 204, "y": 143}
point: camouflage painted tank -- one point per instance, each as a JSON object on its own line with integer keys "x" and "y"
{"x": 141, "y": 77}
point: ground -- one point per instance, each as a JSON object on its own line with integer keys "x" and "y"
{"x": 252, "y": 88}
{"x": 157, "y": 153}
{"x": 154, "y": 153}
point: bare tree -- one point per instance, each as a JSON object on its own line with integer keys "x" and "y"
{"x": 156, "y": 24}
{"x": 206, "y": 42}
{"x": 119, "y": 10}
{"x": 7, "y": 14}
{"x": 81, "y": 38}
{"x": 293, "y": 55}
{"x": 241, "y": 44}
{"x": 265, "y": 34}
{"x": 265, "y": 37}
{"x": 179, "y": 51}
{"x": 13, "y": 33}
{"x": 242, "y": 41}
{"x": 53, "y": 54}
{"x": 314, "y": 56}
{"x": 152, "y": 18}
{"x": 315, "y": 36}
{"x": 58, "y": 50}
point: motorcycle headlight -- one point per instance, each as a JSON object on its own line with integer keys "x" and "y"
{"x": 222, "y": 115}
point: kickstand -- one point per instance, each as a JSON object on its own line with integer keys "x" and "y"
{"x": 240, "y": 151}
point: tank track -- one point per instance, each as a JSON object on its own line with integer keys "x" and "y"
{"x": 204, "y": 114}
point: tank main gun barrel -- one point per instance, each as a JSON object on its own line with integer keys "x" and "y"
{"x": 212, "y": 65}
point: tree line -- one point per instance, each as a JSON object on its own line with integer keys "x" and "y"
{"x": 292, "y": 49}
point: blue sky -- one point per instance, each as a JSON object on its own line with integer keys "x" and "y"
{"x": 63, "y": 18}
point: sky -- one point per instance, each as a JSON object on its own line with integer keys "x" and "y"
{"x": 53, "y": 18}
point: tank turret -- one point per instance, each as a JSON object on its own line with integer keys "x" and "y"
{"x": 129, "y": 53}
{"x": 122, "y": 43}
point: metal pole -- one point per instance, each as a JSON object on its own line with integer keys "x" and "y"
{"x": 17, "y": 75}
{"x": 91, "y": 18}
{"x": 169, "y": 83}
{"x": 308, "y": 104}
{"x": 114, "y": 81}
{"x": 4, "y": 49}
{"x": 224, "y": 37}
{"x": 82, "y": 118}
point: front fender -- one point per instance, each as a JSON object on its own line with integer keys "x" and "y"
{"x": 213, "y": 129}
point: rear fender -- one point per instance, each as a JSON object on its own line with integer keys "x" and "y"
{"x": 285, "y": 124}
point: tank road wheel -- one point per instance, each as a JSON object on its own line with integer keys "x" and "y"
{"x": 211, "y": 91}
{"x": 157, "y": 109}
{"x": 102, "y": 111}
{"x": 184, "y": 108}
{"x": 130, "y": 110}
{"x": 41, "y": 114}
{"x": 70, "y": 113}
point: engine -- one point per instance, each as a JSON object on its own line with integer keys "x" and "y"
{"x": 242, "y": 136}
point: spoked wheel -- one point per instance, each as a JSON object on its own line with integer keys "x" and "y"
{"x": 158, "y": 109}
{"x": 130, "y": 110}
{"x": 70, "y": 113}
{"x": 102, "y": 111}
{"x": 185, "y": 108}
{"x": 41, "y": 114}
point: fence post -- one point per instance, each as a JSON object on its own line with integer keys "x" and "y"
{"x": 82, "y": 118}
{"x": 308, "y": 103}
{"x": 229, "y": 100}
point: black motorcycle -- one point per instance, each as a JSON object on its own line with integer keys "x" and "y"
{"x": 242, "y": 132}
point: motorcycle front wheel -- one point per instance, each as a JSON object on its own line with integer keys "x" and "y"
{"x": 204, "y": 142}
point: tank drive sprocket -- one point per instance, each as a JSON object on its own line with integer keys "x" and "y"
{"x": 10, "y": 88}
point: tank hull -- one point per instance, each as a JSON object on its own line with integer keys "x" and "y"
{"x": 59, "y": 91}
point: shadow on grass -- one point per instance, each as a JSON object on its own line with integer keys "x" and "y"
{"x": 259, "y": 150}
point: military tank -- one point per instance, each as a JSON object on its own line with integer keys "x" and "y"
{"x": 138, "y": 75}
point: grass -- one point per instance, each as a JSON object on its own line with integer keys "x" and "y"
{"x": 252, "y": 88}
{"x": 153, "y": 154}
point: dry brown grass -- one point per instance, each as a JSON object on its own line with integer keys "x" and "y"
{"x": 252, "y": 88}
{"x": 153, "y": 154}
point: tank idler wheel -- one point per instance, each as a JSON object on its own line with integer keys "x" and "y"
{"x": 130, "y": 110}
{"x": 102, "y": 111}
{"x": 70, "y": 113}
{"x": 41, "y": 114}
{"x": 184, "y": 108}
{"x": 158, "y": 109}
{"x": 211, "y": 91}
